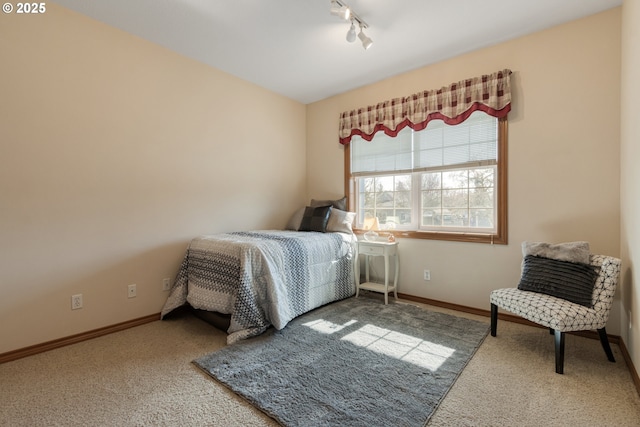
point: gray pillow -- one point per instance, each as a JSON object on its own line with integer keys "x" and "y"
{"x": 338, "y": 204}
{"x": 570, "y": 281}
{"x": 570, "y": 252}
{"x": 295, "y": 220}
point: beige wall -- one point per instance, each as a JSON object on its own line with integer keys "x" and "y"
{"x": 114, "y": 153}
{"x": 564, "y": 156}
{"x": 630, "y": 179}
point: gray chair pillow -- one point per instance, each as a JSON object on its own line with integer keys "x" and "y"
{"x": 571, "y": 252}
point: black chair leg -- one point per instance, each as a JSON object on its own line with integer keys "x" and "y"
{"x": 559, "y": 339}
{"x": 605, "y": 344}
{"x": 494, "y": 319}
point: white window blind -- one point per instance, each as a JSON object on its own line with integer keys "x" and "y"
{"x": 440, "y": 146}
{"x": 383, "y": 153}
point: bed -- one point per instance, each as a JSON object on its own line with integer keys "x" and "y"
{"x": 264, "y": 278}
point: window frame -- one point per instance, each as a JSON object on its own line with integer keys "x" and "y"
{"x": 500, "y": 235}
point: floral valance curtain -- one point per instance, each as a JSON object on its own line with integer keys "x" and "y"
{"x": 453, "y": 104}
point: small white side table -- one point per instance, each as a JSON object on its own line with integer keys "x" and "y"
{"x": 385, "y": 249}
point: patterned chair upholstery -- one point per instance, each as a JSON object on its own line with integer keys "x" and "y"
{"x": 560, "y": 315}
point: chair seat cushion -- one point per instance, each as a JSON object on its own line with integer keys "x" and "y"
{"x": 547, "y": 310}
{"x": 568, "y": 280}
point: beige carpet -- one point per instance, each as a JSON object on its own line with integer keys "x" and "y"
{"x": 144, "y": 377}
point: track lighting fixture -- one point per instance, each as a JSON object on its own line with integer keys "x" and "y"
{"x": 366, "y": 41}
{"x": 351, "y": 34}
{"x": 340, "y": 9}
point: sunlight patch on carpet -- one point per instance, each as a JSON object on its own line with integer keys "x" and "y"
{"x": 326, "y": 327}
{"x": 400, "y": 346}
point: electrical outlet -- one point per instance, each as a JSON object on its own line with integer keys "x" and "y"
{"x": 76, "y": 301}
{"x": 166, "y": 284}
{"x": 132, "y": 291}
{"x": 427, "y": 275}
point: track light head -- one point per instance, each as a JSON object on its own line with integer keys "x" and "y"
{"x": 366, "y": 41}
{"x": 351, "y": 34}
{"x": 340, "y": 10}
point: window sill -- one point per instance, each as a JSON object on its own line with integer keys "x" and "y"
{"x": 494, "y": 239}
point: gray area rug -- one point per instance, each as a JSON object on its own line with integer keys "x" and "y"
{"x": 355, "y": 362}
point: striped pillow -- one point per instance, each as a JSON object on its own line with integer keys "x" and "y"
{"x": 567, "y": 280}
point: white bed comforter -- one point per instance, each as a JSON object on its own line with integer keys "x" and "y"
{"x": 264, "y": 278}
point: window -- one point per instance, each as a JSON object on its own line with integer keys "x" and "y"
{"x": 443, "y": 182}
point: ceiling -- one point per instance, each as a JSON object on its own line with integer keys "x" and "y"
{"x": 297, "y": 49}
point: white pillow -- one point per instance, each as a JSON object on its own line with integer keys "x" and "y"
{"x": 340, "y": 221}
